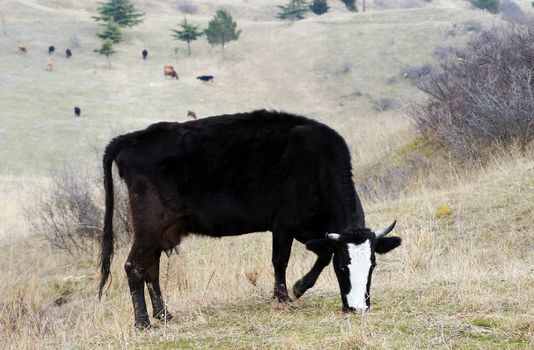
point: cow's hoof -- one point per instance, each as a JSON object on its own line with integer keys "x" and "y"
{"x": 163, "y": 316}
{"x": 142, "y": 325}
{"x": 282, "y": 298}
{"x": 299, "y": 289}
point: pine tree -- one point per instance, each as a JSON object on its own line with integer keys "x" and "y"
{"x": 490, "y": 5}
{"x": 222, "y": 29}
{"x": 188, "y": 33}
{"x": 106, "y": 50}
{"x": 295, "y": 10}
{"x": 123, "y": 12}
{"x": 319, "y": 7}
{"x": 350, "y": 5}
{"x": 110, "y": 31}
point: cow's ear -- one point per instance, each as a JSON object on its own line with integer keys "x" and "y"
{"x": 321, "y": 246}
{"x": 387, "y": 244}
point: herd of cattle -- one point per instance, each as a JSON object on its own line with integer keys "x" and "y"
{"x": 168, "y": 71}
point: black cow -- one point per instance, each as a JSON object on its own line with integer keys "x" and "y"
{"x": 68, "y": 53}
{"x": 205, "y": 78}
{"x": 77, "y": 111}
{"x": 144, "y": 53}
{"x": 235, "y": 174}
{"x": 51, "y": 49}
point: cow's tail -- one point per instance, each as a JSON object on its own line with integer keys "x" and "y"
{"x": 106, "y": 253}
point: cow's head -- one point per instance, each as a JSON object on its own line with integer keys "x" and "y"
{"x": 354, "y": 261}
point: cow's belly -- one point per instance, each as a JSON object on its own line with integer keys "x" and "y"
{"x": 219, "y": 215}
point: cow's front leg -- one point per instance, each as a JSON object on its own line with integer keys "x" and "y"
{"x": 159, "y": 310}
{"x": 281, "y": 251}
{"x": 306, "y": 282}
{"x": 136, "y": 281}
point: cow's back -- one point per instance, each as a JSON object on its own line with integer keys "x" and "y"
{"x": 241, "y": 173}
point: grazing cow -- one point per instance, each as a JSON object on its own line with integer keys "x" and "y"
{"x": 50, "y": 66}
{"x": 236, "y": 174}
{"x": 21, "y": 49}
{"x": 145, "y": 53}
{"x": 68, "y": 53}
{"x": 51, "y": 49}
{"x": 168, "y": 71}
{"x": 192, "y": 114}
{"x": 77, "y": 111}
{"x": 205, "y": 78}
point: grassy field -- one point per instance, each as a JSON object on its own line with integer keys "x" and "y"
{"x": 460, "y": 281}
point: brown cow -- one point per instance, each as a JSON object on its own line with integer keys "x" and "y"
{"x": 168, "y": 71}
{"x": 192, "y": 114}
{"x": 21, "y": 49}
{"x": 50, "y": 66}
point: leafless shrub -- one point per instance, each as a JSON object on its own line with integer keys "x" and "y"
{"x": 385, "y": 103}
{"x": 472, "y": 26}
{"x": 450, "y": 31}
{"x": 442, "y": 52}
{"x": 511, "y": 12}
{"x": 69, "y": 214}
{"x": 416, "y": 73}
{"x": 484, "y": 98}
{"x": 187, "y": 7}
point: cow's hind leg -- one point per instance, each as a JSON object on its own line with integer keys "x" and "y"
{"x": 159, "y": 310}
{"x": 281, "y": 252}
{"x": 135, "y": 270}
{"x": 308, "y": 281}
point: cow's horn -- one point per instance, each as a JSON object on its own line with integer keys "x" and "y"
{"x": 177, "y": 249}
{"x": 168, "y": 252}
{"x": 333, "y": 236}
{"x": 384, "y": 231}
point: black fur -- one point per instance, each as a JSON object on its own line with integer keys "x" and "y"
{"x": 387, "y": 244}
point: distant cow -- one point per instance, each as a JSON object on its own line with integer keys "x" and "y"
{"x": 21, "y": 49}
{"x": 205, "y": 78}
{"x": 50, "y": 66}
{"x": 168, "y": 71}
{"x": 192, "y": 114}
{"x": 68, "y": 53}
{"x": 51, "y": 49}
{"x": 145, "y": 53}
{"x": 77, "y": 111}
{"x": 236, "y": 174}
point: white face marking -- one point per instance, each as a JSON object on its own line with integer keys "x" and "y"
{"x": 360, "y": 263}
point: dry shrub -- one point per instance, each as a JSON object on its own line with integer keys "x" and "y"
{"x": 482, "y": 99}
{"x": 187, "y": 7}
{"x": 386, "y": 103}
{"x": 69, "y": 214}
{"x": 511, "y": 12}
{"x": 472, "y": 26}
{"x": 416, "y": 73}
